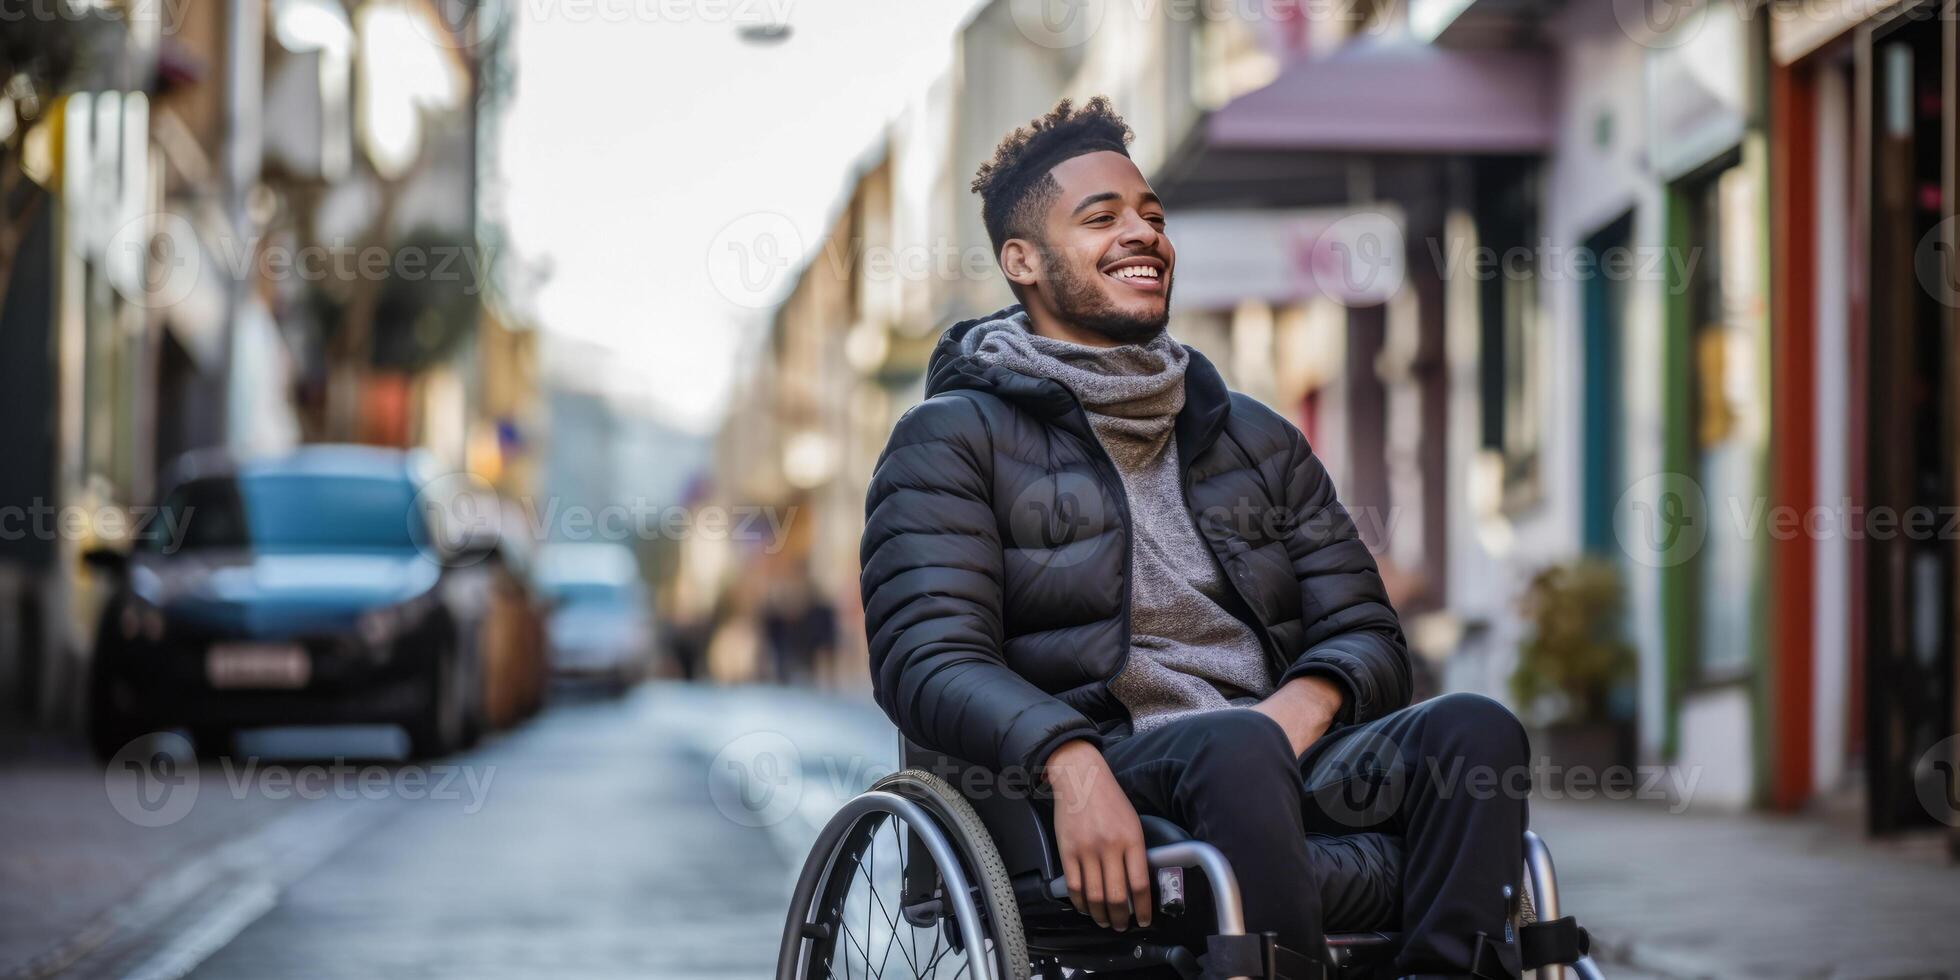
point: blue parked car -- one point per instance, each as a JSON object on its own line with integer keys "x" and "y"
{"x": 305, "y": 589}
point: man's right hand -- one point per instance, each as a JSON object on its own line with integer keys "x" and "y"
{"x": 1100, "y": 838}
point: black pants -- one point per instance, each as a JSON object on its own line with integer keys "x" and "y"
{"x": 1445, "y": 780}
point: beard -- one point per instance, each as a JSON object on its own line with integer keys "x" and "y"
{"x": 1081, "y": 302}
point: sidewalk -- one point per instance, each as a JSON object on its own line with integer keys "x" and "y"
{"x": 1739, "y": 897}
{"x": 75, "y": 873}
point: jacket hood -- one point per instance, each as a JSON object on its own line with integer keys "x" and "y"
{"x": 952, "y": 368}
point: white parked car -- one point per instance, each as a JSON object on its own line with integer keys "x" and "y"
{"x": 600, "y": 627}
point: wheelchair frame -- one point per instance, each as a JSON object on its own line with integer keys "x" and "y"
{"x": 1018, "y": 841}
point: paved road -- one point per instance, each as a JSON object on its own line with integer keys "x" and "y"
{"x": 608, "y": 838}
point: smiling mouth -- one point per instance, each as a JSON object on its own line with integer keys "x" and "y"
{"x": 1143, "y": 275}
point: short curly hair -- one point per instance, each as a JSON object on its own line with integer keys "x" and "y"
{"x": 1015, "y": 187}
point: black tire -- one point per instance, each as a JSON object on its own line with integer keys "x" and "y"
{"x": 854, "y": 860}
{"x": 443, "y": 724}
{"x": 108, "y": 729}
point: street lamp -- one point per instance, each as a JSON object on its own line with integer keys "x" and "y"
{"x": 763, "y": 34}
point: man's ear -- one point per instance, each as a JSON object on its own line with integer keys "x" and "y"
{"x": 1020, "y": 261}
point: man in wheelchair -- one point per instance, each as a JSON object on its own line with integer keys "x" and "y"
{"x": 1088, "y": 562}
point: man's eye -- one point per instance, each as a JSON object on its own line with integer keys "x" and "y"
{"x": 1102, "y": 218}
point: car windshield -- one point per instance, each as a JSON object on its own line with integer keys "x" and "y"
{"x": 284, "y": 512}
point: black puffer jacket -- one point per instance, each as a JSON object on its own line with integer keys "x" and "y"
{"x": 996, "y": 560}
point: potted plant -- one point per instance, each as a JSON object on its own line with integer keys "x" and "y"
{"x": 1575, "y": 663}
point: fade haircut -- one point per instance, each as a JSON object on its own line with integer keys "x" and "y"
{"x": 1015, "y": 187}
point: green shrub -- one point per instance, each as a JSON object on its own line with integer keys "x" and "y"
{"x": 1576, "y": 647}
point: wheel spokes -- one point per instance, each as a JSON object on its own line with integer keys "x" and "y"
{"x": 858, "y": 911}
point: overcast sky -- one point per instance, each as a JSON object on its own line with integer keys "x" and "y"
{"x": 636, "y": 139}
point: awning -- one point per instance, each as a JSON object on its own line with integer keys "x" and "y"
{"x": 1397, "y": 97}
{"x": 1390, "y": 109}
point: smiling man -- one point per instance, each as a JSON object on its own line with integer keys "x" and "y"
{"x": 1086, "y": 559}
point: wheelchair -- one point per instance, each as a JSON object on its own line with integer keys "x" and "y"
{"x": 946, "y": 870}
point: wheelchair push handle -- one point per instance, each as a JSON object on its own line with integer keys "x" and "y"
{"x": 1178, "y": 857}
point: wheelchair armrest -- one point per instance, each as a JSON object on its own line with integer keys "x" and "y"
{"x": 1157, "y": 831}
{"x": 1192, "y": 854}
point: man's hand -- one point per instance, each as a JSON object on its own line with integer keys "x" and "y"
{"x": 1100, "y": 838}
{"x": 1304, "y": 708}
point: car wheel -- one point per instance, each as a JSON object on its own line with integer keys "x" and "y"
{"x": 108, "y": 728}
{"x": 474, "y": 705}
{"x": 440, "y": 729}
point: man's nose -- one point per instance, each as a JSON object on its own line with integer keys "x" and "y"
{"x": 1138, "y": 233}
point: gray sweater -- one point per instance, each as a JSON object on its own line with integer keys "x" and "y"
{"x": 1187, "y": 652}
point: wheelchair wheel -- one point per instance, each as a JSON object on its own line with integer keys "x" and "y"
{"x": 904, "y": 882}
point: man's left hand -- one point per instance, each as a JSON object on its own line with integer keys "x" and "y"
{"x": 1304, "y": 708}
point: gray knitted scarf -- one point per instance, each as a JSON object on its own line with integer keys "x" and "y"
{"x": 1187, "y": 652}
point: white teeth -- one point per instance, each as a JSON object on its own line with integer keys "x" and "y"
{"x": 1136, "y": 271}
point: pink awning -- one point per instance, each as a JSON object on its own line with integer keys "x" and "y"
{"x": 1398, "y": 97}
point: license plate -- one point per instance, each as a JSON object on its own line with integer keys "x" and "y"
{"x": 250, "y": 665}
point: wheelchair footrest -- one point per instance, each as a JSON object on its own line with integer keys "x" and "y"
{"x": 1260, "y": 956}
{"x": 1561, "y": 941}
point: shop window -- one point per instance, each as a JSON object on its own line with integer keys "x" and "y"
{"x": 1511, "y": 379}
{"x": 1724, "y": 304}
